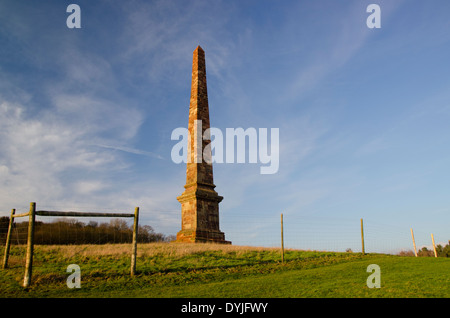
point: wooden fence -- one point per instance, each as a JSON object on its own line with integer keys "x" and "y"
{"x": 30, "y": 237}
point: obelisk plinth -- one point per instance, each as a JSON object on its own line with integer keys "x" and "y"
{"x": 199, "y": 201}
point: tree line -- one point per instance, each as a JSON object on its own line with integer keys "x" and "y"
{"x": 64, "y": 231}
{"x": 441, "y": 251}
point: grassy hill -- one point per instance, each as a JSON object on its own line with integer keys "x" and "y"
{"x": 208, "y": 270}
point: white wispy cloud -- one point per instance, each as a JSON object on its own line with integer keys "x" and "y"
{"x": 155, "y": 34}
{"x": 38, "y": 151}
{"x": 132, "y": 150}
{"x": 346, "y": 35}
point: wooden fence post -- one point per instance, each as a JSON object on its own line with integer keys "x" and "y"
{"x": 8, "y": 239}
{"x": 282, "y": 240}
{"x": 362, "y": 237}
{"x": 30, "y": 246}
{"x": 434, "y": 246}
{"x": 134, "y": 244}
{"x": 414, "y": 242}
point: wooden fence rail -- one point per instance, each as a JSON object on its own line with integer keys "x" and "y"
{"x": 85, "y": 214}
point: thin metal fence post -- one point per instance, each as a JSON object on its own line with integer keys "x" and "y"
{"x": 282, "y": 240}
{"x": 362, "y": 237}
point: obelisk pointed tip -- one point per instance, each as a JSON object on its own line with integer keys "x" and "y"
{"x": 199, "y": 48}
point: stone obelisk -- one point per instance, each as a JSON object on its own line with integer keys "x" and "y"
{"x": 199, "y": 201}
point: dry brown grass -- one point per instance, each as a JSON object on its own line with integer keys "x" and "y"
{"x": 182, "y": 249}
{"x": 146, "y": 249}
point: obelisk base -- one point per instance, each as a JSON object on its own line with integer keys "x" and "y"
{"x": 200, "y": 215}
{"x": 198, "y": 236}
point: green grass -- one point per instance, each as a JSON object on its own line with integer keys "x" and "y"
{"x": 205, "y": 271}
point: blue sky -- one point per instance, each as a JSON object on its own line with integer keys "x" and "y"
{"x": 86, "y": 114}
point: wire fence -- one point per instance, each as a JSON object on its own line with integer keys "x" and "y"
{"x": 325, "y": 234}
{"x": 338, "y": 234}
